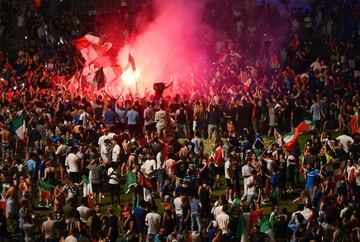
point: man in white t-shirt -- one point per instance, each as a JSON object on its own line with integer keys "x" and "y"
{"x": 102, "y": 138}
{"x": 115, "y": 153}
{"x": 114, "y": 187}
{"x": 72, "y": 165}
{"x": 251, "y": 187}
{"x": 178, "y": 211}
{"x": 223, "y": 219}
{"x": 83, "y": 211}
{"x": 105, "y": 151}
{"x": 246, "y": 173}
{"x": 229, "y": 186}
{"x": 153, "y": 222}
{"x": 84, "y": 118}
{"x": 149, "y": 170}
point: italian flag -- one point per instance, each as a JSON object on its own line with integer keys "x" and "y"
{"x": 246, "y": 222}
{"x": 131, "y": 182}
{"x": 19, "y": 126}
{"x": 354, "y": 124}
{"x": 290, "y": 139}
{"x": 46, "y": 189}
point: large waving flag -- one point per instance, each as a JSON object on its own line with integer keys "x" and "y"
{"x": 290, "y": 139}
{"x": 19, "y": 126}
{"x": 354, "y": 124}
{"x": 92, "y": 47}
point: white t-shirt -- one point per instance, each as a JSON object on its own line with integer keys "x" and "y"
{"x": 153, "y": 221}
{"x": 227, "y": 167}
{"x": 223, "y": 221}
{"x": 246, "y": 170}
{"x": 71, "y": 162}
{"x": 112, "y": 176}
{"x": 218, "y": 210}
{"x": 159, "y": 160}
{"x": 84, "y": 118}
{"x": 115, "y": 153}
{"x": 102, "y": 139}
{"x": 148, "y": 167}
{"x": 251, "y": 190}
{"x": 105, "y": 153}
{"x": 178, "y": 206}
{"x": 84, "y": 213}
{"x": 346, "y": 141}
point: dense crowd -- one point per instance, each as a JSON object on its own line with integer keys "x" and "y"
{"x": 80, "y": 156}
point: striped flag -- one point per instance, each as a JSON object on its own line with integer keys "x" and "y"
{"x": 246, "y": 222}
{"x": 46, "y": 188}
{"x": 131, "y": 182}
{"x": 19, "y": 126}
{"x": 290, "y": 139}
{"x": 354, "y": 124}
{"x": 92, "y": 47}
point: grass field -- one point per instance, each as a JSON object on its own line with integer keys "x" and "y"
{"x": 218, "y": 192}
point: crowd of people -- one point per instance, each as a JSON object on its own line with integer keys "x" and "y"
{"x": 197, "y": 166}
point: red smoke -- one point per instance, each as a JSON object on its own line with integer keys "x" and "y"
{"x": 167, "y": 48}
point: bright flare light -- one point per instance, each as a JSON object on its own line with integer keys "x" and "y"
{"x": 130, "y": 77}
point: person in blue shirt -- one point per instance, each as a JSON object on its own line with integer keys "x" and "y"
{"x": 109, "y": 117}
{"x": 132, "y": 117}
{"x": 165, "y": 189}
{"x": 311, "y": 177}
{"x": 31, "y": 165}
{"x": 161, "y": 237}
{"x": 139, "y": 214}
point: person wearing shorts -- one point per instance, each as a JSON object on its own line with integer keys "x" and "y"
{"x": 95, "y": 177}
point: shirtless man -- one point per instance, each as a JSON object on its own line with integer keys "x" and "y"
{"x": 5, "y": 142}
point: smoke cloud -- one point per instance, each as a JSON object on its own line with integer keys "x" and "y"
{"x": 168, "y": 46}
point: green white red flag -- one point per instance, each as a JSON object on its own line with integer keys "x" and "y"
{"x": 19, "y": 126}
{"x": 246, "y": 221}
{"x": 290, "y": 139}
